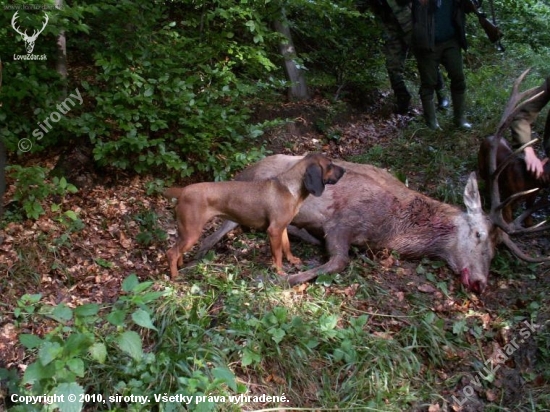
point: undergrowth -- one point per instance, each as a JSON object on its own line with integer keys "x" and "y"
{"x": 222, "y": 337}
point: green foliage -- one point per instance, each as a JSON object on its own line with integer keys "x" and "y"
{"x": 170, "y": 89}
{"x": 26, "y": 306}
{"x": 149, "y": 229}
{"x": 96, "y": 346}
{"x": 336, "y": 45}
{"x": 524, "y": 22}
{"x": 310, "y": 343}
{"x": 32, "y": 89}
{"x": 174, "y": 86}
{"x": 33, "y": 186}
{"x": 170, "y": 84}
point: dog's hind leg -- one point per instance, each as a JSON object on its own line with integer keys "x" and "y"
{"x": 187, "y": 237}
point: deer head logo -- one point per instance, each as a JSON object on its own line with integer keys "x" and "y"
{"x": 29, "y": 40}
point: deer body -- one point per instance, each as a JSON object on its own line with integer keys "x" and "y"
{"x": 371, "y": 208}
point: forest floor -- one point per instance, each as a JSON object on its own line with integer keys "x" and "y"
{"x": 85, "y": 260}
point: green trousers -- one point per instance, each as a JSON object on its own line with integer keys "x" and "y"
{"x": 447, "y": 54}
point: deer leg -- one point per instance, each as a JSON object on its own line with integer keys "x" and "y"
{"x": 338, "y": 249}
{"x": 303, "y": 234}
{"x": 214, "y": 238}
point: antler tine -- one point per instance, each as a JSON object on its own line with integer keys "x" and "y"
{"x": 513, "y": 197}
{"x": 517, "y": 102}
{"x": 45, "y": 23}
{"x": 497, "y": 205}
{"x": 14, "y": 22}
{"x": 511, "y": 157}
{"x": 37, "y": 32}
{"x": 519, "y": 253}
{"x": 539, "y": 227}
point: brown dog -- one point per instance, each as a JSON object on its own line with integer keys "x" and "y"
{"x": 268, "y": 204}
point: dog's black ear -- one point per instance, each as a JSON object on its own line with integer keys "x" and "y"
{"x": 313, "y": 180}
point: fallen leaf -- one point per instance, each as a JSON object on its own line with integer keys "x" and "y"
{"x": 124, "y": 241}
{"x": 426, "y": 288}
{"x": 490, "y": 395}
{"x": 300, "y": 288}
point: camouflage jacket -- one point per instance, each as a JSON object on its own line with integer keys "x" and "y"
{"x": 391, "y": 12}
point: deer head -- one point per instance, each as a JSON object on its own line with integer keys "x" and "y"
{"x": 29, "y": 40}
{"x": 518, "y": 100}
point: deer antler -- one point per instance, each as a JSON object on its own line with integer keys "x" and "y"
{"x": 13, "y": 22}
{"x": 29, "y": 40}
{"x": 516, "y": 103}
{"x": 36, "y": 32}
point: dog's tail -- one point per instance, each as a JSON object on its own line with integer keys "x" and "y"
{"x": 172, "y": 193}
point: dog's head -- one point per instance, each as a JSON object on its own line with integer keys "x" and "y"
{"x": 320, "y": 172}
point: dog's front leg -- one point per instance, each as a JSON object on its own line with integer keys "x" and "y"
{"x": 286, "y": 250}
{"x": 276, "y": 243}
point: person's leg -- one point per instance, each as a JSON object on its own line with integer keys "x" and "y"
{"x": 442, "y": 100}
{"x": 395, "y": 51}
{"x": 428, "y": 62}
{"x": 451, "y": 58}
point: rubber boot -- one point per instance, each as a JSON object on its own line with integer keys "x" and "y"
{"x": 429, "y": 114}
{"x": 459, "y": 108}
{"x": 442, "y": 101}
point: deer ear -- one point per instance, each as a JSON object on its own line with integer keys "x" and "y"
{"x": 313, "y": 180}
{"x": 472, "y": 199}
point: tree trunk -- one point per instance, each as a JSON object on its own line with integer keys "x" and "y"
{"x": 3, "y": 157}
{"x": 296, "y": 76}
{"x": 61, "y": 63}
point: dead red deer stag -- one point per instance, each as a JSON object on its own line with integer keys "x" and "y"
{"x": 372, "y": 209}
